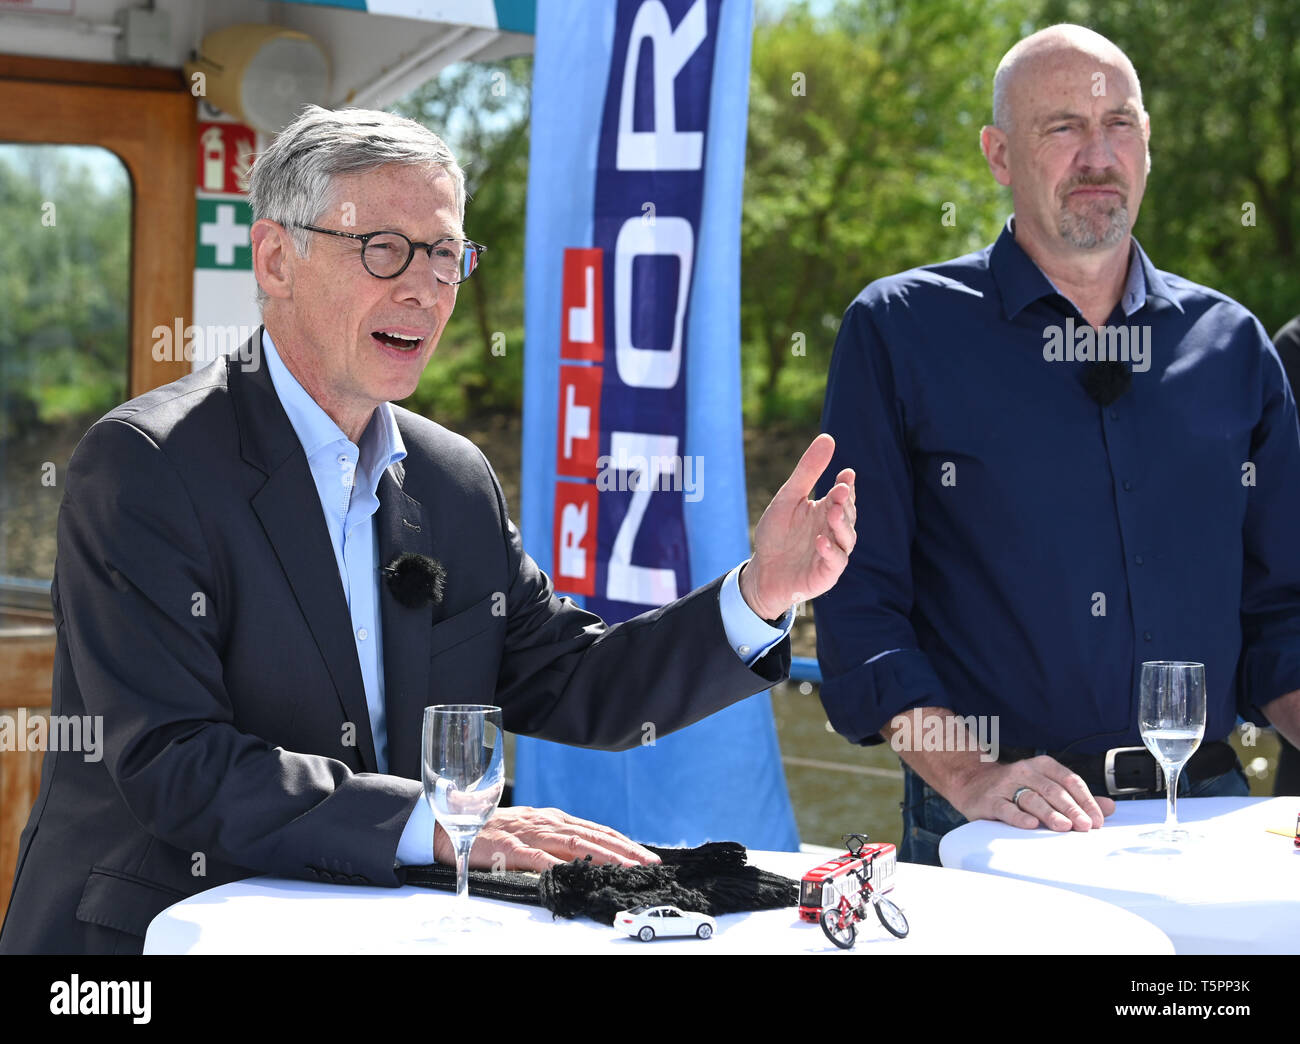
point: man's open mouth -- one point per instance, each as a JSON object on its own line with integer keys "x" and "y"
{"x": 402, "y": 342}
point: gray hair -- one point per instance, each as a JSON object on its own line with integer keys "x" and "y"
{"x": 293, "y": 181}
{"x": 1078, "y": 36}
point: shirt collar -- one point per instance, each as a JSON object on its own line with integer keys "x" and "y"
{"x": 1155, "y": 281}
{"x": 380, "y": 444}
{"x": 1021, "y": 282}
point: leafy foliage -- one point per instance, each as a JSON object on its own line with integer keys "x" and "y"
{"x": 863, "y": 126}
{"x": 64, "y": 288}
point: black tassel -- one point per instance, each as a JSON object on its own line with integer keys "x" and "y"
{"x": 416, "y": 580}
{"x": 714, "y": 878}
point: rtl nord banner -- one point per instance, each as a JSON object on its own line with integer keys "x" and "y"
{"x": 633, "y": 468}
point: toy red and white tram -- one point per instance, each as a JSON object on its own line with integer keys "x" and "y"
{"x": 838, "y": 893}
{"x": 823, "y": 886}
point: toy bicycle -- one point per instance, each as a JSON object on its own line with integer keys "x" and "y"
{"x": 839, "y": 918}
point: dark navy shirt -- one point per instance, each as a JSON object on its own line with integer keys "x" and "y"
{"x": 1022, "y": 550}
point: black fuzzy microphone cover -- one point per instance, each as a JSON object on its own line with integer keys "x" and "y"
{"x": 1106, "y": 381}
{"x": 416, "y": 580}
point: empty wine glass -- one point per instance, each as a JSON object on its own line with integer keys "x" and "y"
{"x": 1172, "y": 722}
{"x": 463, "y": 770}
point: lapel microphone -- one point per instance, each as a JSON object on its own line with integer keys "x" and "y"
{"x": 1104, "y": 382}
{"x": 415, "y": 580}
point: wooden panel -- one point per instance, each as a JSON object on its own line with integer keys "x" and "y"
{"x": 155, "y": 135}
{"x": 20, "y": 779}
{"x": 101, "y": 74}
{"x": 26, "y": 665}
{"x": 148, "y": 119}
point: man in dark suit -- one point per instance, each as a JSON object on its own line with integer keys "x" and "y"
{"x": 219, "y": 602}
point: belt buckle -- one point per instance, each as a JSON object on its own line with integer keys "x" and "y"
{"x": 1111, "y": 789}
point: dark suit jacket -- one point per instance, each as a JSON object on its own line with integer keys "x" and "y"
{"x": 199, "y": 612}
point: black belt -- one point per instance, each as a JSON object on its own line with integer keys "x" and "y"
{"x": 1134, "y": 770}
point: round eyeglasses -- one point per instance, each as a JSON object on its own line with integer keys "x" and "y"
{"x": 386, "y": 254}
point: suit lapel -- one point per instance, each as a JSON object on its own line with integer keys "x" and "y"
{"x": 404, "y": 525}
{"x": 288, "y": 506}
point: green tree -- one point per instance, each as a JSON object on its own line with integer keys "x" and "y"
{"x": 64, "y": 278}
{"x": 863, "y": 160}
{"x": 64, "y": 301}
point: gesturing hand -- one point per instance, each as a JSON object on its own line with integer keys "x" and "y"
{"x": 524, "y": 838}
{"x": 801, "y": 546}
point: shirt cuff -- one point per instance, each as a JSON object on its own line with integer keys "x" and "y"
{"x": 749, "y": 634}
{"x": 416, "y": 845}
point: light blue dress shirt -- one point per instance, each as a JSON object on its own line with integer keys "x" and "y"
{"x": 347, "y": 478}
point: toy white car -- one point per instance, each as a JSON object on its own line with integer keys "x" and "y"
{"x": 645, "y": 922}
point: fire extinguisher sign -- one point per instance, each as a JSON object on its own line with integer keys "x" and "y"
{"x": 225, "y": 158}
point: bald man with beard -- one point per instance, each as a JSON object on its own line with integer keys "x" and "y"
{"x": 1076, "y": 463}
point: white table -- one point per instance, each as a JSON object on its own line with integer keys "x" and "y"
{"x": 950, "y": 911}
{"x": 1236, "y": 891}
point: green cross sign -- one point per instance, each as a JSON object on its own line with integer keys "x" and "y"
{"x": 222, "y": 240}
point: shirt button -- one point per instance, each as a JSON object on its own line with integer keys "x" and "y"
{"x": 1138, "y": 559}
{"x": 363, "y": 634}
{"x": 1127, "y": 485}
{"x": 1146, "y": 635}
{"x": 743, "y": 650}
{"x": 343, "y": 458}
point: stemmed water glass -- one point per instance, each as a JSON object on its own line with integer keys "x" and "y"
{"x": 1172, "y": 722}
{"x": 463, "y": 770}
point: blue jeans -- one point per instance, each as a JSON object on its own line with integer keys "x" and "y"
{"x": 927, "y": 816}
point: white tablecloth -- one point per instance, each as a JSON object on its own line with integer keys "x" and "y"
{"x": 1237, "y": 891}
{"x": 949, "y": 912}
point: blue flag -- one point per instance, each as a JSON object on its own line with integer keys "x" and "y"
{"x": 632, "y": 384}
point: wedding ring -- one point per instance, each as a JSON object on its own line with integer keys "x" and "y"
{"x": 1015, "y": 798}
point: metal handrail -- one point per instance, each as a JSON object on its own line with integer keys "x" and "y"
{"x": 20, "y": 592}
{"x": 805, "y": 668}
